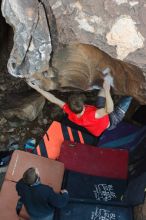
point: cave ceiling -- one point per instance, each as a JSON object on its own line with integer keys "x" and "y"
{"x": 75, "y": 44}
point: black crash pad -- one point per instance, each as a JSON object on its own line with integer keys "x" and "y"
{"x": 82, "y": 211}
{"x": 87, "y": 188}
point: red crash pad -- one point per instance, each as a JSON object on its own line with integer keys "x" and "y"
{"x": 51, "y": 171}
{"x": 94, "y": 160}
{"x": 8, "y": 201}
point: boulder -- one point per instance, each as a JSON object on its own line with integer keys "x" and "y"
{"x": 73, "y": 44}
{"x": 24, "y": 108}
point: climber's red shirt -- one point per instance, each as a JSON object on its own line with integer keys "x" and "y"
{"x": 94, "y": 125}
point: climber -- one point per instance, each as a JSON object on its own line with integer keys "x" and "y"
{"x": 95, "y": 120}
{"x": 38, "y": 199}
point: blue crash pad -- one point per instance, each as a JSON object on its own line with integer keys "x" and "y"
{"x": 82, "y": 211}
{"x": 87, "y": 188}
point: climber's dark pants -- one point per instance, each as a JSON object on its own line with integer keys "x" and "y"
{"x": 119, "y": 112}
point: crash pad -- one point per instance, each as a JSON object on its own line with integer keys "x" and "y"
{"x": 96, "y": 189}
{"x": 95, "y": 161}
{"x": 124, "y": 136}
{"x": 8, "y": 201}
{"x": 86, "y": 211}
{"x": 51, "y": 171}
{"x": 51, "y": 142}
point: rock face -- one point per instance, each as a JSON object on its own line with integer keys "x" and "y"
{"x": 25, "y": 108}
{"x": 32, "y": 43}
{"x": 50, "y": 38}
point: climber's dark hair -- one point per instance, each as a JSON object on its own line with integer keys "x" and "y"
{"x": 76, "y": 102}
